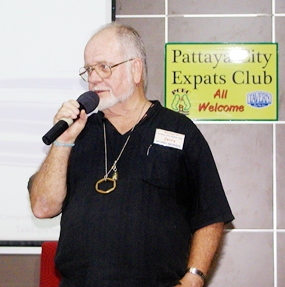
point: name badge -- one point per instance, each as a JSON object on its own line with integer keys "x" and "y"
{"x": 168, "y": 138}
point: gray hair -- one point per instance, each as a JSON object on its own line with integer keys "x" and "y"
{"x": 131, "y": 43}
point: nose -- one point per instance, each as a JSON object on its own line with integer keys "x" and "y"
{"x": 94, "y": 78}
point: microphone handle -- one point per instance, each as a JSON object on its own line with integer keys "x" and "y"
{"x": 87, "y": 101}
{"x": 59, "y": 128}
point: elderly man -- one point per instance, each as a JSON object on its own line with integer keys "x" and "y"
{"x": 141, "y": 200}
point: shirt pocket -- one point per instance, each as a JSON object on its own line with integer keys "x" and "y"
{"x": 161, "y": 166}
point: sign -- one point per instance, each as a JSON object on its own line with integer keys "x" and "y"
{"x": 225, "y": 81}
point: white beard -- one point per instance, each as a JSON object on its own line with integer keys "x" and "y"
{"x": 107, "y": 103}
{"x": 112, "y": 100}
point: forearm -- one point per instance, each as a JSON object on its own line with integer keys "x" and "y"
{"x": 48, "y": 186}
{"x": 204, "y": 246}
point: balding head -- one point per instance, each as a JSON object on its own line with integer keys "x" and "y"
{"x": 128, "y": 40}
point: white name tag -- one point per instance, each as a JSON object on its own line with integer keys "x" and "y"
{"x": 170, "y": 139}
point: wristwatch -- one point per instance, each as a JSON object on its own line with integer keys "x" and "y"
{"x": 196, "y": 271}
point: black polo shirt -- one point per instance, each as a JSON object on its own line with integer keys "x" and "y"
{"x": 139, "y": 234}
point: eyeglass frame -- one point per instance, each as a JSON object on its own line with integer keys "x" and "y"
{"x": 92, "y": 68}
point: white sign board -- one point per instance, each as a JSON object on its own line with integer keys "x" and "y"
{"x": 42, "y": 44}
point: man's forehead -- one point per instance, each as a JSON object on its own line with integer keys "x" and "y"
{"x": 102, "y": 47}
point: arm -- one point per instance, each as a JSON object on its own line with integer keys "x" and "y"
{"x": 48, "y": 186}
{"x": 203, "y": 248}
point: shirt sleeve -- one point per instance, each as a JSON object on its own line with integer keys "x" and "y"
{"x": 208, "y": 200}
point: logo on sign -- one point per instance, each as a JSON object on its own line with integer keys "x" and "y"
{"x": 181, "y": 102}
{"x": 259, "y": 99}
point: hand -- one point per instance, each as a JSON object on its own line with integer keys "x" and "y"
{"x": 70, "y": 109}
{"x": 191, "y": 280}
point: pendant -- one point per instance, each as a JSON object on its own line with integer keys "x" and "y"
{"x": 104, "y": 180}
{"x": 115, "y": 176}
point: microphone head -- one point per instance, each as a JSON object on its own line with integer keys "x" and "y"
{"x": 89, "y": 101}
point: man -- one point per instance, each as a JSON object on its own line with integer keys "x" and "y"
{"x": 137, "y": 186}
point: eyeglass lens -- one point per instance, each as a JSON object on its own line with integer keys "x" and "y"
{"x": 102, "y": 69}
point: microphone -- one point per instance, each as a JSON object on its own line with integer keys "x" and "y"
{"x": 88, "y": 102}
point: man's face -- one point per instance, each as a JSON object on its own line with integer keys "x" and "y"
{"x": 104, "y": 48}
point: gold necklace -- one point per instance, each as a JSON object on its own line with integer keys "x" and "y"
{"x": 114, "y": 178}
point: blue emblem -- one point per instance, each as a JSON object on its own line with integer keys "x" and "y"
{"x": 259, "y": 99}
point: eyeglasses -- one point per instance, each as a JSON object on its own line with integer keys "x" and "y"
{"x": 102, "y": 69}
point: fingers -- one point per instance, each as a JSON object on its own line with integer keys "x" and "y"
{"x": 69, "y": 109}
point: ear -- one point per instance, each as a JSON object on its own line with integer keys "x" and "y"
{"x": 137, "y": 70}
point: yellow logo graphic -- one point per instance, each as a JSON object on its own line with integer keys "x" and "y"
{"x": 181, "y": 102}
